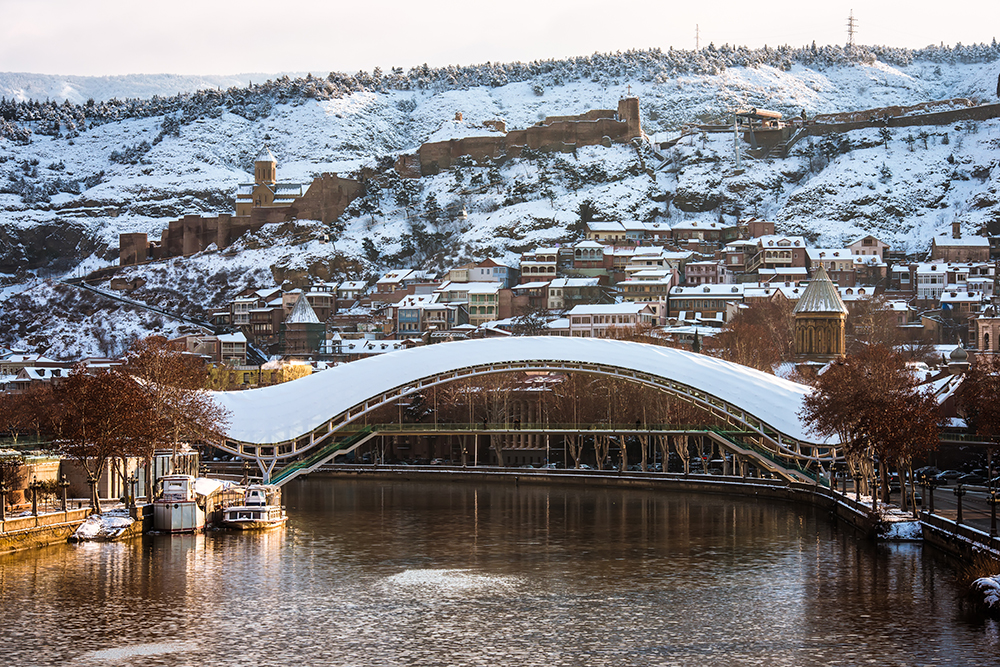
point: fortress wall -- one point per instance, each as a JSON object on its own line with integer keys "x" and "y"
{"x": 883, "y": 112}
{"x": 554, "y": 133}
{"x": 982, "y": 112}
{"x": 593, "y": 114}
{"x": 327, "y": 198}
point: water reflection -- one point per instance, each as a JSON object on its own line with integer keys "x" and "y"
{"x": 419, "y": 573}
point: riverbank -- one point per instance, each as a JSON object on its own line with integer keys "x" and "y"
{"x": 33, "y": 532}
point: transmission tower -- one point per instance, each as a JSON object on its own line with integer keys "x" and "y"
{"x": 697, "y": 38}
{"x": 852, "y": 26}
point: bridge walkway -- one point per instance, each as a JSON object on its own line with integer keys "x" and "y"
{"x": 739, "y": 443}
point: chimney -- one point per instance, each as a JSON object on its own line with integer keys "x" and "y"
{"x": 956, "y": 230}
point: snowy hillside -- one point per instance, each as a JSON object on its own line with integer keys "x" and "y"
{"x": 66, "y": 195}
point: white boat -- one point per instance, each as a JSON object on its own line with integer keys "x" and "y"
{"x": 175, "y": 508}
{"x": 261, "y": 509}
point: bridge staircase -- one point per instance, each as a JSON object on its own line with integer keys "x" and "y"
{"x": 766, "y": 459}
{"x": 321, "y": 456}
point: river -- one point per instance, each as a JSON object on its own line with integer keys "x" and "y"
{"x": 429, "y": 573}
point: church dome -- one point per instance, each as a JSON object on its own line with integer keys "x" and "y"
{"x": 959, "y": 354}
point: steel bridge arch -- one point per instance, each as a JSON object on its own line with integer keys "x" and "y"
{"x": 286, "y": 421}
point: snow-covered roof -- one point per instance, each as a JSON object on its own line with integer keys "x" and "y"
{"x": 282, "y": 412}
{"x": 784, "y": 271}
{"x": 351, "y": 285}
{"x": 778, "y": 241}
{"x": 589, "y": 244}
{"x": 605, "y": 226}
{"x": 945, "y": 241}
{"x": 575, "y": 282}
{"x": 234, "y": 338}
{"x": 724, "y": 290}
{"x": 695, "y": 225}
{"x": 629, "y": 308}
{"x": 534, "y": 285}
{"x": 830, "y": 254}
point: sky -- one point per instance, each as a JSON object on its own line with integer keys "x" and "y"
{"x": 113, "y": 37}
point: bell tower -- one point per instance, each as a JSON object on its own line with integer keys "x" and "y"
{"x": 265, "y": 168}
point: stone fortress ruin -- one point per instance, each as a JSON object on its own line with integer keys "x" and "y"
{"x": 267, "y": 200}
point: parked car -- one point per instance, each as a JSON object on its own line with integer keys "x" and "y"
{"x": 974, "y": 478}
{"x": 947, "y": 477}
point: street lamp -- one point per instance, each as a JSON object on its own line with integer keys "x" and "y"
{"x": 133, "y": 490}
{"x": 959, "y": 492}
{"x": 4, "y": 490}
{"x": 930, "y": 483}
{"x": 92, "y": 483}
{"x": 35, "y": 487}
{"x": 993, "y": 498}
{"x": 63, "y": 485}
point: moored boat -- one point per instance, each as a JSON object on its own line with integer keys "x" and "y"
{"x": 175, "y": 508}
{"x": 261, "y": 509}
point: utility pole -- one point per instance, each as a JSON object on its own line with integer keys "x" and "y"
{"x": 852, "y": 26}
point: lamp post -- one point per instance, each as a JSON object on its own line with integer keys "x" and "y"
{"x": 92, "y": 483}
{"x": 993, "y": 498}
{"x": 246, "y": 472}
{"x": 35, "y": 486}
{"x": 930, "y": 483}
{"x": 63, "y": 486}
{"x": 4, "y": 490}
{"x": 959, "y": 492}
{"x": 133, "y": 490}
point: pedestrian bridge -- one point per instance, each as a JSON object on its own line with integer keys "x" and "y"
{"x": 306, "y": 417}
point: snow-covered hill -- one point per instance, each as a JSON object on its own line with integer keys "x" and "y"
{"x": 64, "y": 199}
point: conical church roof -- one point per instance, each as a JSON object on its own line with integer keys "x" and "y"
{"x": 821, "y": 296}
{"x": 265, "y": 155}
{"x": 302, "y": 313}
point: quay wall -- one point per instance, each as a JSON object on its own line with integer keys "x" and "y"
{"x": 960, "y": 541}
{"x": 29, "y": 532}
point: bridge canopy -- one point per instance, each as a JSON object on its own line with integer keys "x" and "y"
{"x": 287, "y": 411}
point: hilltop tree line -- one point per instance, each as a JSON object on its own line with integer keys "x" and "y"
{"x": 19, "y": 120}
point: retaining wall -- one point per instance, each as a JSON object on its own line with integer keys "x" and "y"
{"x": 28, "y": 532}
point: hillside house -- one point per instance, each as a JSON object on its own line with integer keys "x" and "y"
{"x": 595, "y": 321}
{"x": 958, "y": 248}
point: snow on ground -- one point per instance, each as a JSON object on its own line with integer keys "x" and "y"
{"x": 905, "y": 193}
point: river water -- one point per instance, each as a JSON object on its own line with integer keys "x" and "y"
{"x": 423, "y": 573}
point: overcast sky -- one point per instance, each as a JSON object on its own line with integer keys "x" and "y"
{"x": 103, "y": 37}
